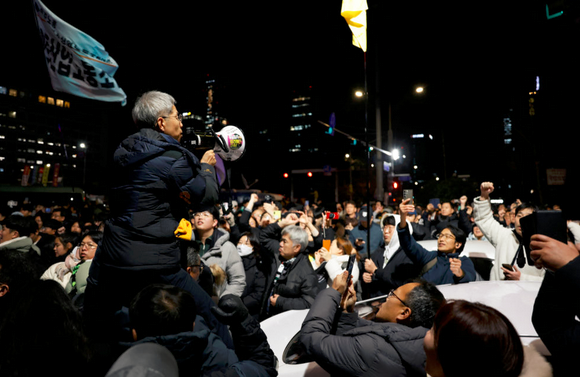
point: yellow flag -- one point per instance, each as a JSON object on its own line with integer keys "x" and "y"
{"x": 355, "y": 14}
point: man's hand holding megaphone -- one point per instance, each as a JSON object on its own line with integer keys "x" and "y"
{"x": 209, "y": 157}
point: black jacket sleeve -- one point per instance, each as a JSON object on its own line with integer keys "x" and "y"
{"x": 554, "y": 315}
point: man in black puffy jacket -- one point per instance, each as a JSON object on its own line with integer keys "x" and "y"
{"x": 156, "y": 181}
{"x": 364, "y": 348}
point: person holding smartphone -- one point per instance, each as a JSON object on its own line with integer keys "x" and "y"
{"x": 509, "y": 248}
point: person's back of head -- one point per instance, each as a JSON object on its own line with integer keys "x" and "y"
{"x": 16, "y": 271}
{"x": 161, "y": 309}
{"x": 424, "y": 301}
{"x": 42, "y": 328}
{"x": 476, "y": 340}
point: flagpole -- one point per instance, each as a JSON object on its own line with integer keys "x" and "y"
{"x": 368, "y": 158}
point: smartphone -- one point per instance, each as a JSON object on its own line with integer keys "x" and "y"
{"x": 507, "y": 266}
{"x": 548, "y": 223}
{"x": 350, "y": 265}
{"x": 326, "y": 244}
{"x": 277, "y": 215}
{"x": 307, "y": 203}
{"x": 408, "y": 194}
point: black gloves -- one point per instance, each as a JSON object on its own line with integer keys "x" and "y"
{"x": 230, "y": 310}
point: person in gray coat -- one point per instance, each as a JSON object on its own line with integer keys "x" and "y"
{"x": 392, "y": 345}
{"x": 215, "y": 248}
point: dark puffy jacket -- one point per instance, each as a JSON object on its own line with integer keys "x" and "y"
{"x": 156, "y": 179}
{"x": 255, "y": 285}
{"x": 201, "y": 352}
{"x": 370, "y": 349}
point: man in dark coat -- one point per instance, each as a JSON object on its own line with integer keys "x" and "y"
{"x": 365, "y": 348}
{"x": 292, "y": 283}
{"x": 389, "y": 267}
{"x": 155, "y": 181}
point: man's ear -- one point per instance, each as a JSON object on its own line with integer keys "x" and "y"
{"x": 160, "y": 124}
{"x": 404, "y": 315}
{"x": 4, "y": 289}
{"x": 134, "y": 333}
{"x": 458, "y": 245}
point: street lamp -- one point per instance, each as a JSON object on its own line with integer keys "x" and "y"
{"x": 84, "y": 147}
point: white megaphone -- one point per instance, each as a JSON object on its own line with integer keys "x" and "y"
{"x": 229, "y": 143}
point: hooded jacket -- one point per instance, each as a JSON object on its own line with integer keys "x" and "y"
{"x": 370, "y": 349}
{"x": 23, "y": 244}
{"x": 225, "y": 254}
{"x": 156, "y": 179}
{"x": 396, "y": 272}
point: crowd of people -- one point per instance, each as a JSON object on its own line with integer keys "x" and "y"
{"x": 167, "y": 264}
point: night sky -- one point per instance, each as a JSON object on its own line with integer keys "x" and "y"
{"x": 475, "y": 60}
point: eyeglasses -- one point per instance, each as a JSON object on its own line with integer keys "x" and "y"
{"x": 203, "y": 214}
{"x": 392, "y": 294}
{"x": 178, "y": 116}
{"x": 89, "y": 245}
{"x": 198, "y": 266}
{"x": 449, "y": 236}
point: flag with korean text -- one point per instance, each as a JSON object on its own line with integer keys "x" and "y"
{"x": 76, "y": 62}
{"x": 355, "y": 14}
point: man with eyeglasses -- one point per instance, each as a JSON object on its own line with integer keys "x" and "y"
{"x": 444, "y": 266}
{"x": 155, "y": 181}
{"x": 390, "y": 345}
{"x": 215, "y": 248}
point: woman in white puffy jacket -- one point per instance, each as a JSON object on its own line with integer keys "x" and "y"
{"x": 337, "y": 259}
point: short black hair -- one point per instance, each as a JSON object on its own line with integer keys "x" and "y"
{"x": 17, "y": 269}
{"x": 526, "y": 205}
{"x": 424, "y": 301}
{"x": 161, "y": 309}
{"x": 17, "y": 223}
{"x": 459, "y": 236}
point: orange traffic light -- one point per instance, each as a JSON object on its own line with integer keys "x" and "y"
{"x": 309, "y": 174}
{"x": 286, "y": 175}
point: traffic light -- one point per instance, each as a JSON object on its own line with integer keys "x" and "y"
{"x": 309, "y": 174}
{"x": 397, "y": 189}
{"x": 286, "y": 175}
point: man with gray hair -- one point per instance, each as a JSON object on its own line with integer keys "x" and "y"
{"x": 155, "y": 181}
{"x": 292, "y": 283}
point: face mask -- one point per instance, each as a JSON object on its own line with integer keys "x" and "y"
{"x": 244, "y": 250}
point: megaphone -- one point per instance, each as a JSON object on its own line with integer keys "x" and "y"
{"x": 229, "y": 143}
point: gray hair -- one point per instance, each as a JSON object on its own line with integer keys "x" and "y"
{"x": 297, "y": 235}
{"x": 193, "y": 257}
{"x": 424, "y": 301}
{"x": 149, "y": 106}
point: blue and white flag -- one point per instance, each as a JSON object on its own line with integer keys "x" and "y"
{"x": 77, "y": 63}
